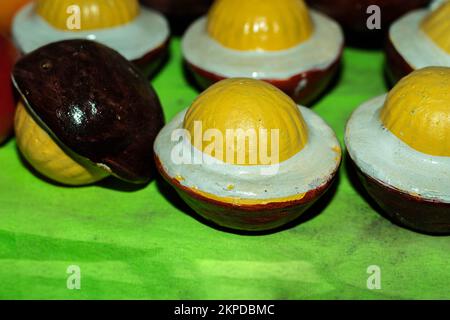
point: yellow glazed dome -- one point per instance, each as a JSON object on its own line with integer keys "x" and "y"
{"x": 94, "y": 14}
{"x": 243, "y": 108}
{"x": 47, "y": 157}
{"x": 437, "y": 26}
{"x": 417, "y": 111}
{"x": 259, "y": 24}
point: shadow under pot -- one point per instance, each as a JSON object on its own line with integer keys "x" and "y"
{"x": 281, "y": 42}
{"x": 400, "y": 145}
{"x": 139, "y": 34}
{"x": 85, "y": 113}
{"x": 417, "y": 40}
{"x": 246, "y": 157}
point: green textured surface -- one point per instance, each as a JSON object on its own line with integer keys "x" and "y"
{"x": 141, "y": 244}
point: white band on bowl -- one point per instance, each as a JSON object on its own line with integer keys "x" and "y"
{"x": 317, "y": 53}
{"x": 133, "y": 40}
{"x": 381, "y": 155}
{"x": 310, "y": 168}
{"x": 414, "y": 45}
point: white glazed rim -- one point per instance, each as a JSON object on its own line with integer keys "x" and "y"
{"x": 309, "y": 169}
{"x": 317, "y": 53}
{"x": 134, "y": 40}
{"x": 418, "y": 50}
{"x": 381, "y": 155}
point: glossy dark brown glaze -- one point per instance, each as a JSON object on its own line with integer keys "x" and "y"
{"x": 180, "y": 12}
{"x": 352, "y": 14}
{"x": 396, "y": 65}
{"x": 95, "y": 103}
{"x": 179, "y": 7}
{"x": 246, "y": 217}
{"x": 411, "y": 211}
{"x": 313, "y": 82}
{"x": 151, "y": 61}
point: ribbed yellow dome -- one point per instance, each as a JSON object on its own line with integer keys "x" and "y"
{"x": 47, "y": 157}
{"x": 248, "y": 105}
{"x": 437, "y": 26}
{"x": 259, "y": 24}
{"x": 94, "y": 14}
{"x": 417, "y": 111}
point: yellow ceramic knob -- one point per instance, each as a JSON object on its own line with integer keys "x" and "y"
{"x": 417, "y": 111}
{"x": 47, "y": 157}
{"x": 437, "y": 26}
{"x": 93, "y": 14}
{"x": 259, "y": 24}
{"x": 253, "y": 111}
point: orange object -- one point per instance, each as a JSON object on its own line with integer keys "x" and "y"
{"x": 8, "y": 9}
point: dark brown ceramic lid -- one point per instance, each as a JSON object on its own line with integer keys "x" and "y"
{"x": 353, "y": 14}
{"x": 180, "y": 7}
{"x": 95, "y": 102}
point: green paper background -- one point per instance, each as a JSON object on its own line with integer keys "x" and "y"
{"x": 144, "y": 244}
